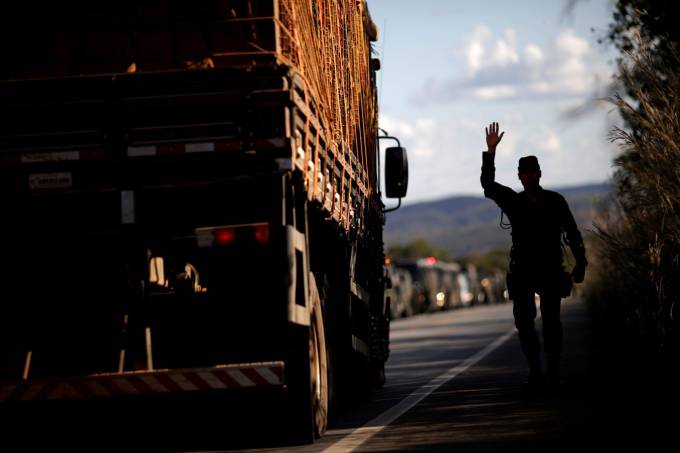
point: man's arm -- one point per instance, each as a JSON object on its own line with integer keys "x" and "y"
{"x": 497, "y": 192}
{"x": 575, "y": 243}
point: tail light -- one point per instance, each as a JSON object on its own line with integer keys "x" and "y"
{"x": 226, "y": 235}
{"x": 262, "y": 233}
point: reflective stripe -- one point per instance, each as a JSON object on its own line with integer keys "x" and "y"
{"x": 141, "y": 383}
{"x": 154, "y": 384}
{"x": 56, "y": 156}
{"x": 183, "y": 382}
{"x": 97, "y": 389}
{"x": 199, "y": 147}
{"x": 254, "y": 376}
{"x": 31, "y": 392}
{"x": 136, "y": 151}
{"x": 65, "y": 390}
{"x": 125, "y": 386}
{"x": 269, "y": 376}
{"x": 240, "y": 378}
{"x": 212, "y": 380}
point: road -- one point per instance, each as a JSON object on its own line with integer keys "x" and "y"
{"x": 465, "y": 370}
{"x": 454, "y": 383}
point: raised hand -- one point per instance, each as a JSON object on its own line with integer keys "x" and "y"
{"x": 492, "y": 137}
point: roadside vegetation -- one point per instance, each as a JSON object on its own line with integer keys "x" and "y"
{"x": 634, "y": 286}
{"x": 418, "y": 248}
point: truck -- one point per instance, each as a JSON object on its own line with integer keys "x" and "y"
{"x": 427, "y": 282}
{"x": 399, "y": 292}
{"x": 192, "y": 202}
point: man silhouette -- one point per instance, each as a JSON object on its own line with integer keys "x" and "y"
{"x": 538, "y": 218}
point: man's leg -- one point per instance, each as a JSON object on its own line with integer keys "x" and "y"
{"x": 552, "y": 334}
{"x": 524, "y": 310}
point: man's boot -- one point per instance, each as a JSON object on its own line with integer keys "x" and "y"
{"x": 536, "y": 381}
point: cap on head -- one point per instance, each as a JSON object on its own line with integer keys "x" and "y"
{"x": 528, "y": 164}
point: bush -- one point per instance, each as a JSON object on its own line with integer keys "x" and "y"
{"x": 637, "y": 280}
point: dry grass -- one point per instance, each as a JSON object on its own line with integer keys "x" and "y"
{"x": 638, "y": 263}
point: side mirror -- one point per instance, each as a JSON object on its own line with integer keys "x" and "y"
{"x": 396, "y": 172}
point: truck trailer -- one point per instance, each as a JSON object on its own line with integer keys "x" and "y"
{"x": 191, "y": 202}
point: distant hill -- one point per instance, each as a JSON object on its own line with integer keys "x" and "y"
{"x": 465, "y": 225}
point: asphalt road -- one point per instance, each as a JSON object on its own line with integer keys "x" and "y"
{"x": 463, "y": 372}
{"x": 468, "y": 368}
{"x": 454, "y": 383}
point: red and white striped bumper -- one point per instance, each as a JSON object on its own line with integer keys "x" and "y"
{"x": 265, "y": 374}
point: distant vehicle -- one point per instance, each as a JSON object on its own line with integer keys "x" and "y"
{"x": 474, "y": 291}
{"x": 492, "y": 288}
{"x": 466, "y": 295}
{"x": 488, "y": 289}
{"x": 449, "y": 295}
{"x": 500, "y": 287}
{"x": 401, "y": 292}
{"x": 426, "y": 282}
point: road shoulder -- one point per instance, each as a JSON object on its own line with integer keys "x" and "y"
{"x": 485, "y": 408}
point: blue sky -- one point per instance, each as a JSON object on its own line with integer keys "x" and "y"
{"x": 451, "y": 67}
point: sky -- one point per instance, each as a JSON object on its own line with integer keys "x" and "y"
{"x": 451, "y": 67}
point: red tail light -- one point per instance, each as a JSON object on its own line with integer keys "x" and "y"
{"x": 224, "y": 236}
{"x": 233, "y": 234}
{"x": 261, "y": 233}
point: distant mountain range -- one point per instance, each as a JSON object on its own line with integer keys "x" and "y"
{"x": 465, "y": 225}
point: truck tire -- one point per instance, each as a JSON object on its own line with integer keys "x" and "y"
{"x": 377, "y": 375}
{"x": 308, "y": 377}
{"x": 318, "y": 362}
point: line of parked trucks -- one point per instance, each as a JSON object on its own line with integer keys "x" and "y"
{"x": 426, "y": 284}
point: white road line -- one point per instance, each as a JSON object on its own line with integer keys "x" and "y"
{"x": 360, "y": 435}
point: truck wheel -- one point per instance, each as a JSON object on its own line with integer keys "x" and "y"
{"x": 308, "y": 377}
{"x": 377, "y": 371}
{"x": 318, "y": 363}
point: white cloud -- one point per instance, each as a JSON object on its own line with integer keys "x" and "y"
{"x": 475, "y": 48}
{"x": 399, "y": 127}
{"x": 505, "y": 52}
{"x": 445, "y": 152}
{"x": 546, "y": 140}
{"x": 418, "y": 134}
{"x": 396, "y": 127}
{"x": 425, "y": 124}
{"x": 423, "y": 151}
{"x": 495, "y": 69}
{"x": 495, "y": 92}
{"x": 509, "y": 146}
{"x": 533, "y": 55}
{"x": 568, "y": 43}
{"x": 479, "y": 56}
